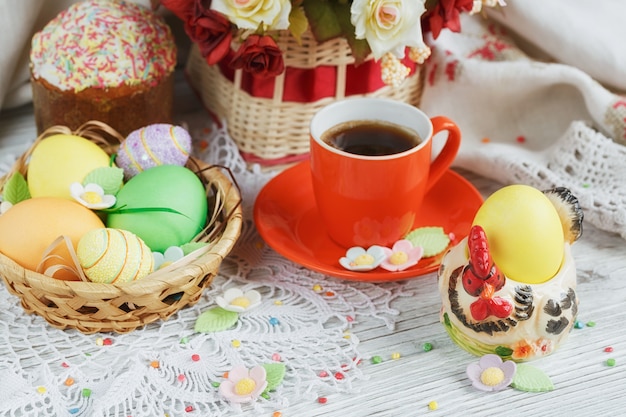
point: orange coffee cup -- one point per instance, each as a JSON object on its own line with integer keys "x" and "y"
{"x": 367, "y": 200}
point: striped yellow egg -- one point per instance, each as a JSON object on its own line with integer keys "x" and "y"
{"x": 153, "y": 145}
{"x": 112, "y": 256}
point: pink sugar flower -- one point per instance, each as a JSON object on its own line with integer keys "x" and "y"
{"x": 401, "y": 256}
{"x": 243, "y": 385}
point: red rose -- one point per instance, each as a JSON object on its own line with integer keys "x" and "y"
{"x": 180, "y": 8}
{"x": 210, "y": 30}
{"x": 446, "y": 15}
{"x": 260, "y": 56}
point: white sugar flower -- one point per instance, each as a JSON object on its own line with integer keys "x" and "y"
{"x": 236, "y": 300}
{"x": 249, "y": 14}
{"x": 91, "y": 196}
{"x": 388, "y": 25}
{"x": 359, "y": 259}
{"x": 171, "y": 255}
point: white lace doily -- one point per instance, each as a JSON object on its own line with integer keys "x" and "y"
{"x": 50, "y": 372}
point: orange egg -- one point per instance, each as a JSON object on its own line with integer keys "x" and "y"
{"x": 29, "y": 228}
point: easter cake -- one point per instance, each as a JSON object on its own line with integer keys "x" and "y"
{"x": 105, "y": 60}
{"x": 509, "y": 287}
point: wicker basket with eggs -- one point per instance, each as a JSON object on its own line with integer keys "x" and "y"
{"x": 103, "y": 233}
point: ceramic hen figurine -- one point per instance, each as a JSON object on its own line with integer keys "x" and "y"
{"x": 509, "y": 287}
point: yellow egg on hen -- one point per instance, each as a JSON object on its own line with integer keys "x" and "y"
{"x": 525, "y": 233}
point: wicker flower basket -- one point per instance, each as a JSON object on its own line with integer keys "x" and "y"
{"x": 274, "y": 129}
{"x": 92, "y": 307}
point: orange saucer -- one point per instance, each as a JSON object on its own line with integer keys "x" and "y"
{"x": 287, "y": 219}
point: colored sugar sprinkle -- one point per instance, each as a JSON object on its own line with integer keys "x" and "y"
{"x": 86, "y": 392}
{"x": 323, "y": 374}
{"x": 181, "y": 378}
{"x": 433, "y": 405}
{"x": 427, "y": 347}
{"x": 65, "y": 365}
{"x": 265, "y": 395}
{"x": 41, "y": 390}
{"x": 579, "y": 325}
{"x": 99, "y": 341}
{"x": 608, "y": 349}
{"x": 485, "y": 140}
{"x": 278, "y": 303}
{"x": 235, "y": 343}
{"x": 330, "y": 294}
{"x": 184, "y": 340}
{"x": 69, "y": 382}
{"x": 586, "y": 185}
{"x": 107, "y": 342}
{"x": 189, "y": 409}
{"x": 346, "y": 335}
{"x": 276, "y": 357}
{"x": 339, "y": 376}
{"x": 155, "y": 364}
{"x": 376, "y": 359}
{"x": 591, "y": 324}
{"x": 520, "y": 139}
{"x": 274, "y": 321}
{"x": 195, "y": 357}
{"x": 317, "y": 288}
{"x": 277, "y": 414}
{"x": 350, "y": 319}
{"x": 74, "y": 410}
{"x": 322, "y": 400}
{"x": 610, "y": 362}
{"x": 395, "y": 355}
{"x": 215, "y": 384}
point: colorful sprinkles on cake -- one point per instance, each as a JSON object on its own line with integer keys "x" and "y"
{"x": 76, "y": 51}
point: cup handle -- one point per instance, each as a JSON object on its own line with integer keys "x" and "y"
{"x": 444, "y": 159}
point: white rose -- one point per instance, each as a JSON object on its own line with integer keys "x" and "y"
{"x": 249, "y": 14}
{"x": 388, "y": 25}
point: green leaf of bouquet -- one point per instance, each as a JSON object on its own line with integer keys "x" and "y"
{"x": 16, "y": 189}
{"x": 323, "y": 19}
{"x": 215, "y": 320}
{"x": 275, "y": 373}
{"x": 433, "y": 239}
{"x": 298, "y": 22}
{"x": 109, "y": 178}
{"x": 530, "y": 379}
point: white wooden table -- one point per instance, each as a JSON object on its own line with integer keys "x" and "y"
{"x": 584, "y": 384}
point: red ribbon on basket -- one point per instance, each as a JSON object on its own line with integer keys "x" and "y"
{"x": 305, "y": 85}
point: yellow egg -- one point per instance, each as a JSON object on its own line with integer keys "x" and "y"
{"x": 59, "y": 160}
{"x": 524, "y": 233}
{"x": 113, "y": 255}
{"x": 28, "y": 228}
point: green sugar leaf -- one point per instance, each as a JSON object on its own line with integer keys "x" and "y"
{"x": 530, "y": 379}
{"x": 192, "y": 246}
{"x": 109, "y": 178}
{"x": 432, "y": 239}
{"x": 215, "y": 320}
{"x": 275, "y": 373}
{"x": 16, "y": 189}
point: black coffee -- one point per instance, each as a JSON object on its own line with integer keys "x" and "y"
{"x": 371, "y": 138}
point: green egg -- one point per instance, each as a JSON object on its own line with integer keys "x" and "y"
{"x": 165, "y": 206}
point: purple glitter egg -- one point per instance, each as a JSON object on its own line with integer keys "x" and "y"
{"x": 153, "y": 145}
